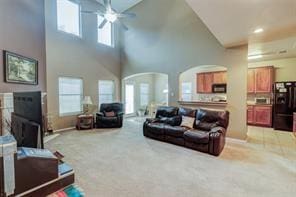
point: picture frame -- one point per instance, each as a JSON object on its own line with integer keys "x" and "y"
{"x": 20, "y": 69}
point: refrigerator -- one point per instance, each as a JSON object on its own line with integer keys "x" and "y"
{"x": 284, "y": 105}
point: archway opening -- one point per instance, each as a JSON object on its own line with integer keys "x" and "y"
{"x": 144, "y": 92}
{"x": 206, "y": 83}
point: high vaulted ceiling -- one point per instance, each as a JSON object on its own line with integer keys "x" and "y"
{"x": 234, "y": 21}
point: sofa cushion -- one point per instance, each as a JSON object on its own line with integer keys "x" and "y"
{"x": 187, "y": 112}
{"x": 205, "y": 126}
{"x": 109, "y": 113}
{"x": 173, "y": 121}
{"x": 156, "y": 128}
{"x": 197, "y": 136}
{"x": 166, "y": 111}
{"x": 216, "y": 118}
{"x": 175, "y": 131}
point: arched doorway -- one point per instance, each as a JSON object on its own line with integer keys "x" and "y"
{"x": 140, "y": 92}
{"x": 206, "y": 83}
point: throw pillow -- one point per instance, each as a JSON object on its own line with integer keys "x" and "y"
{"x": 187, "y": 122}
{"x": 109, "y": 113}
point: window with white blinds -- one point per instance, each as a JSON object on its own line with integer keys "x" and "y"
{"x": 70, "y": 95}
{"x": 106, "y": 91}
{"x": 186, "y": 91}
{"x": 68, "y": 17}
{"x": 105, "y": 34}
{"x": 144, "y": 94}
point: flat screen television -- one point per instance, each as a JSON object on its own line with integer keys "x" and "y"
{"x": 26, "y": 120}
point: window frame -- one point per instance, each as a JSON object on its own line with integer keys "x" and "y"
{"x": 146, "y": 94}
{"x": 112, "y": 34}
{"x": 113, "y": 91}
{"x": 182, "y": 91}
{"x": 81, "y": 97}
{"x": 79, "y": 19}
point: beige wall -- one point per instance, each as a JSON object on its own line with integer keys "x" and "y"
{"x": 82, "y": 57}
{"x": 172, "y": 40}
{"x": 22, "y": 31}
{"x": 285, "y": 69}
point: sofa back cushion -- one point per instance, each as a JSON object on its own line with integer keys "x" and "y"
{"x": 207, "y": 119}
{"x": 187, "y": 112}
{"x": 109, "y": 107}
{"x": 173, "y": 121}
{"x": 165, "y": 111}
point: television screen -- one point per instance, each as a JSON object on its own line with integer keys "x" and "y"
{"x": 27, "y": 125}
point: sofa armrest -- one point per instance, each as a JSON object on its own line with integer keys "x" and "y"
{"x": 217, "y": 140}
{"x": 100, "y": 114}
{"x": 218, "y": 130}
{"x": 151, "y": 120}
{"x": 120, "y": 114}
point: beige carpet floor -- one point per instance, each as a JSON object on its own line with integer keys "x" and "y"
{"x": 123, "y": 163}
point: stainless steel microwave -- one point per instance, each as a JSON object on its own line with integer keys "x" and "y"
{"x": 219, "y": 88}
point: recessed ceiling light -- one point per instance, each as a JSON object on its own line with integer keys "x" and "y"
{"x": 259, "y": 30}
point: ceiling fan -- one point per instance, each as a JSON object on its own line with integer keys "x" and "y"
{"x": 110, "y": 14}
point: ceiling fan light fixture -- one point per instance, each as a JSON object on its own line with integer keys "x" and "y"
{"x": 110, "y": 17}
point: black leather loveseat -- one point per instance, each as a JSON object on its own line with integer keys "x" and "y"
{"x": 207, "y": 135}
{"x": 105, "y": 120}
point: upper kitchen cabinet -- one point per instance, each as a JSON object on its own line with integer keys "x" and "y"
{"x": 260, "y": 80}
{"x": 200, "y": 82}
{"x": 206, "y": 80}
{"x": 264, "y": 80}
{"x": 251, "y": 80}
{"x": 219, "y": 77}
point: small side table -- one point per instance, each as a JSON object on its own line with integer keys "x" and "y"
{"x": 85, "y": 121}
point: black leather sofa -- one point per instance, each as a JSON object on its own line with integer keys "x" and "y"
{"x": 103, "y": 121}
{"x": 208, "y": 133}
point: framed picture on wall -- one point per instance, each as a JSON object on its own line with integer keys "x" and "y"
{"x": 20, "y": 69}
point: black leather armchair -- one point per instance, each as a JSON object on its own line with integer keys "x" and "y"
{"x": 103, "y": 121}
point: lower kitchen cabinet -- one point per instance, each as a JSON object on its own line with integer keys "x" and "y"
{"x": 259, "y": 115}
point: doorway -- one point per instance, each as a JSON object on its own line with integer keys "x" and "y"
{"x": 129, "y": 98}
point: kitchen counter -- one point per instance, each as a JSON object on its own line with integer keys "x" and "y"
{"x": 203, "y": 103}
{"x": 255, "y": 104}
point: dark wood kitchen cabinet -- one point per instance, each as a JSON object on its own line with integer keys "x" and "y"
{"x": 250, "y": 115}
{"x": 251, "y": 81}
{"x": 206, "y": 80}
{"x": 264, "y": 79}
{"x": 260, "y": 80}
{"x": 219, "y": 77}
{"x": 259, "y": 115}
{"x": 200, "y": 82}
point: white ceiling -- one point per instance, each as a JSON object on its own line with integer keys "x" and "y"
{"x": 122, "y": 5}
{"x": 233, "y": 21}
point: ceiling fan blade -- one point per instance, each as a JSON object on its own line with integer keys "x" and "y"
{"x": 103, "y": 23}
{"x": 126, "y": 15}
{"x": 107, "y": 4}
{"x": 122, "y": 25}
{"x": 92, "y": 12}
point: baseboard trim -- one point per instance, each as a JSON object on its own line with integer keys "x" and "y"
{"x": 65, "y": 129}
